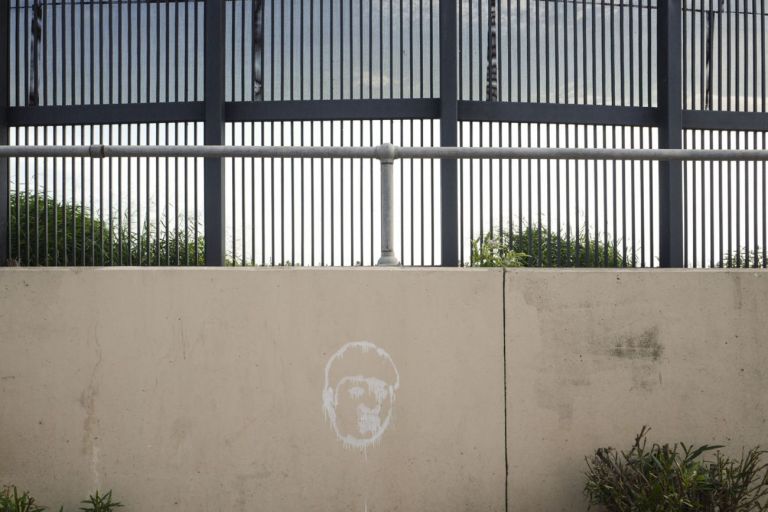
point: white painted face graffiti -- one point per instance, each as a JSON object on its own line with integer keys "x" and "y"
{"x": 359, "y": 391}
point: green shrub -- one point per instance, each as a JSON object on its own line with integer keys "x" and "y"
{"x": 12, "y": 501}
{"x": 91, "y": 241}
{"x": 536, "y": 246}
{"x": 495, "y": 251}
{"x": 664, "y": 478}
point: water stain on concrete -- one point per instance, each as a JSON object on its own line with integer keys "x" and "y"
{"x": 643, "y": 346}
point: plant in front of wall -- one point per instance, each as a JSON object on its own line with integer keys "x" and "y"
{"x": 12, "y": 501}
{"x": 676, "y": 478}
{"x": 100, "y": 503}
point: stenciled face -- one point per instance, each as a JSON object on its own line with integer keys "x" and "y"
{"x": 359, "y": 393}
{"x": 363, "y": 406}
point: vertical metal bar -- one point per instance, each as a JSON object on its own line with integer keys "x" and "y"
{"x": 537, "y": 79}
{"x": 595, "y": 197}
{"x": 754, "y": 16}
{"x": 614, "y": 141}
{"x": 539, "y": 141}
{"x": 518, "y": 68}
{"x": 322, "y": 196}
{"x": 755, "y": 141}
{"x": 19, "y": 60}
{"x": 176, "y": 164}
{"x": 5, "y": 79}
{"x": 91, "y": 165}
{"x": 214, "y": 131}
{"x": 764, "y": 79}
{"x": 690, "y": 59}
{"x": 253, "y": 196}
{"x": 157, "y": 193}
{"x": 410, "y": 51}
{"x": 27, "y": 237}
{"x": 148, "y": 227}
{"x": 558, "y": 218}
{"x": 186, "y": 185}
{"x": 166, "y": 161}
{"x": 157, "y": 52}
{"x": 432, "y": 190}
{"x": 132, "y": 164}
{"x": 370, "y": 182}
{"x": 45, "y": 203}
{"x": 729, "y": 196}
{"x": 711, "y": 205}
{"x": 575, "y": 53}
{"x": 401, "y": 142}
{"x": 448, "y": 124}
{"x": 130, "y": 71}
{"x": 670, "y": 133}
{"x": 603, "y": 81}
{"x": 557, "y": 53}
{"x": 282, "y": 171}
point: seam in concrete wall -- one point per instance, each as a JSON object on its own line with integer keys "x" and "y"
{"x": 504, "y": 351}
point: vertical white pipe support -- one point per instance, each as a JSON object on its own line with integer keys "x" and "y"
{"x": 387, "y": 157}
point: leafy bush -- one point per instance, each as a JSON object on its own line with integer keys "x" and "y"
{"x": 664, "y": 478}
{"x": 92, "y": 241}
{"x": 536, "y": 246}
{"x": 495, "y": 251}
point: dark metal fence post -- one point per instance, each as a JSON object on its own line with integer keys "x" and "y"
{"x": 670, "y": 132}
{"x": 449, "y": 212}
{"x": 5, "y": 79}
{"x": 214, "y": 131}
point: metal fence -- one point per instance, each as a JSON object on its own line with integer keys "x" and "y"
{"x": 482, "y": 73}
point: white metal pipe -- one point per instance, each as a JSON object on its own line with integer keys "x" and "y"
{"x": 382, "y": 152}
{"x": 388, "y": 258}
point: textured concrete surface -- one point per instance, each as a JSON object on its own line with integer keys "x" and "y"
{"x": 245, "y": 389}
{"x": 202, "y": 390}
{"x": 594, "y": 355}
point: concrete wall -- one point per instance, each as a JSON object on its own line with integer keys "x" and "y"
{"x": 202, "y": 390}
{"x": 594, "y": 355}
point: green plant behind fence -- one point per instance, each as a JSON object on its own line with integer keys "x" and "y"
{"x": 46, "y": 232}
{"x": 744, "y": 259}
{"x": 536, "y": 246}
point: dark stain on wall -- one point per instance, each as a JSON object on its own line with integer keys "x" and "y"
{"x": 643, "y": 346}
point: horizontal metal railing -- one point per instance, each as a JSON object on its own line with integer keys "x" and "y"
{"x": 383, "y": 152}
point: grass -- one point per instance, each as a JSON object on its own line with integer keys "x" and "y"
{"x": 744, "y": 259}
